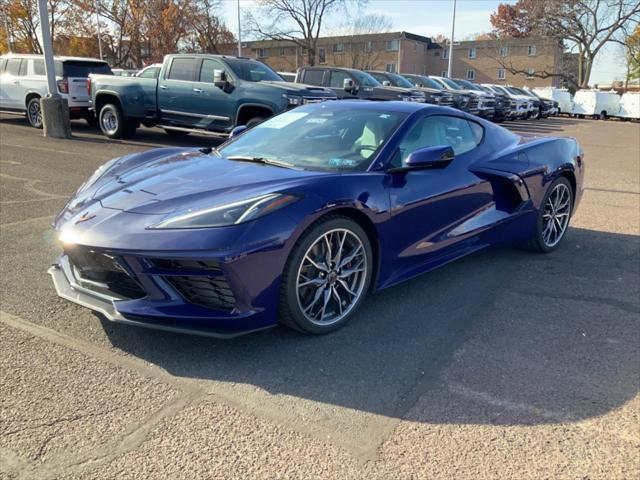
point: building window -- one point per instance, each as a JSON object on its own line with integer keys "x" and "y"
{"x": 390, "y": 67}
{"x": 530, "y": 72}
{"x": 338, "y": 48}
{"x": 502, "y": 74}
{"x": 504, "y": 51}
{"x": 282, "y": 51}
{"x": 262, "y": 53}
{"x": 393, "y": 45}
{"x": 368, "y": 46}
{"x": 322, "y": 56}
{"x": 444, "y": 74}
{"x": 471, "y": 74}
{"x": 531, "y": 50}
{"x": 445, "y": 53}
{"x": 472, "y": 52}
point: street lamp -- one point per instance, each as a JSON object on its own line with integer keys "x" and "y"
{"x": 453, "y": 30}
{"x": 239, "y": 32}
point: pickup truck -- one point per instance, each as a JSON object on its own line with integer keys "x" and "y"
{"x": 210, "y": 94}
{"x": 349, "y": 83}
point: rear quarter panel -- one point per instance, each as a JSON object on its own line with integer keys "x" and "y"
{"x": 137, "y": 95}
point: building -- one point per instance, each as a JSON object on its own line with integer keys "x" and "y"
{"x": 482, "y": 61}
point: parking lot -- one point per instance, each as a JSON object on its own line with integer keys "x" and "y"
{"x": 505, "y": 364}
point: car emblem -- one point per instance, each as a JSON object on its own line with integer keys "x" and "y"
{"x": 85, "y": 216}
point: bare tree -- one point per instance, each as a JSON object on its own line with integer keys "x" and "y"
{"x": 207, "y": 30}
{"x": 585, "y": 25}
{"x": 359, "y": 51}
{"x": 299, "y": 21}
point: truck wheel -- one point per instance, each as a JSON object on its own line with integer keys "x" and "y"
{"x": 113, "y": 124}
{"x": 34, "y": 113}
{"x": 603, "y": 115}
{"x": 176, "y": 133}
{"x": 254, "y": 121}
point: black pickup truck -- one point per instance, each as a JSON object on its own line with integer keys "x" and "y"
{"x": 350, "y": 83}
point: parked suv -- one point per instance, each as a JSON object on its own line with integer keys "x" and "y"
{"x": 395, "y": 80}
{"x": 478, "y": 104}
{"x": 434, "y": 92}
{"x": 487, "y": 100}
{"x": 520, "y": 106}
{"x": 23, "y": 82}
{"x": 352, "y": 83}
{"x": 211, "y": 94}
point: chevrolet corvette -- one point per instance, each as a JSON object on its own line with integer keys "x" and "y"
{"x": 297, "y": 219}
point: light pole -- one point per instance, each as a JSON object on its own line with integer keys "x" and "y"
{"x": 239, "y": 32}
{"x": 453, "y": 30}
{"x": 95, "y": 7}
{"x": 54, "y": 108}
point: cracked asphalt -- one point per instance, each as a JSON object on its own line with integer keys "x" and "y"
{"x": 503, "y": 365}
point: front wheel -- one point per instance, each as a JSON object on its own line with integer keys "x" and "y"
{"x": 254, "y": 121}
{"x": 326, "y": 277}
{"x": 553, "y": 217}
{"x": 34, "y": 112}
{"x": 113, "y": 124}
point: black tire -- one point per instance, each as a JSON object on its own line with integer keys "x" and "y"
{"x": 291, "y": 313}
{"x": 176, "y": 133}
{"x": 34, "y": 112}
{"x": 113, "y": 123}
{"x": 254, "y": 121}
{"x": 537, "y": 243}
{"x": 536, "y": 115}
{"x": 603, "y": 115}
{"x": 91, "y": 120}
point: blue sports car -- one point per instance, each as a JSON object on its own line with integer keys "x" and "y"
{"x": 297, "y": 219}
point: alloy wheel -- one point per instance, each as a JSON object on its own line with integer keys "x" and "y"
{"x": 35, "y": 113}
{"x": 109, "y": 121}
{"x": 555, "y": 218}
{"x": 331, "y": 277}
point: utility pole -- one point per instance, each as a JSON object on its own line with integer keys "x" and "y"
{"x": 453, "y": 31}
{"x": 239, "y": 32}
{"x": 95, "y": 7}
{"x": 54, "y": 108}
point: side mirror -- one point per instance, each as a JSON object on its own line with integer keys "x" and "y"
{"x": 436, "y": 157}
{"x": 419, "y": 85}
{"x": 347, "y": 85}
{"x": 237, "y": 131}
{"x": 219, "y": 78}
{"x": 386, "y": 83}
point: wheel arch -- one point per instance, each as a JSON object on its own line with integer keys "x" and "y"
{"x": 103, "y": 98}
{"x": 29, "y": 96}
{"x": 246, "y": 111}
{"x": 571, "y": 177}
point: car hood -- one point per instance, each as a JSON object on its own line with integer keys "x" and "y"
{"x": 163, "y": 181}
{"x": 300, "y": 88}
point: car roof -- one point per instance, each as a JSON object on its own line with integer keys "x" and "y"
{"x": 56, "y": 57}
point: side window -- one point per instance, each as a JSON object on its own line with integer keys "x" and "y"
{"x": 183, "y": 69}
{"x": 150, "y": 73}
{"x": 337, "y": 78}
{"x": 208, "y": 66}
{"x": 313, "y": 77}
{"x": 24, "y": 67}
{"x": 3, "y": 64}
{"x": 13, "y": 66}
{"x": 38, "y": 67}
{"x": 458, "y": 133}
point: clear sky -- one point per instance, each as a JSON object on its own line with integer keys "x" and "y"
{"x": 433, "y": 17}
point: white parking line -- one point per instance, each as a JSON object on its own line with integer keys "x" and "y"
{"x": 66, "y": 152}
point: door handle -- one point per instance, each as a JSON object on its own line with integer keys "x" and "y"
{"x": 164, "y": 87}
{"x": 197, "y": 90}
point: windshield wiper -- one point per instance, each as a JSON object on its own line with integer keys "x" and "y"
{"x": 264, "y": 161}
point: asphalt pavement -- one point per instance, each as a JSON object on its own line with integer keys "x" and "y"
{"x": 505, "y": 364}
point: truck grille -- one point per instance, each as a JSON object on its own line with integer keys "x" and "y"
{"x": 102, "y": 273}
{"x": 445, "y": 99}
{"x": 473, "y": 103}
{"x": 206, "y": 291}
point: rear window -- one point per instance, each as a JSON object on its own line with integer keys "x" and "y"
{"x": 81, "y": 69}
{"x": 13, "y": 66}
{"x": 313, "y": 77}
{"x": 183, "y": 69}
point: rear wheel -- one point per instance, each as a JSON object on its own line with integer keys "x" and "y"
{"x": 553, "y": 217}
{"x": 34, "y": 112}
{"x": 326, "y": 277}
{"x": 254, "y": 121}
{"x": 603, "y": 115}
{"x": 113, "y": 124}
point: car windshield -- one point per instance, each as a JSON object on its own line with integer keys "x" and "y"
{"x": 400, "y": 80}
{"x": 515, "y": 91}
{"x": 365, "y": 79}
{"x": 425, "y": 81}
{"x": 328, "y": 137}
{"x": 252, "y": 70}
{"x": 499, "y": 89}
{"x": 468, "y": 85}
{"x": 451, "y": 83}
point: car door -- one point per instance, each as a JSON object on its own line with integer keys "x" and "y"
{"x": 176, "y": 99}
{"x": 336, "y": 83}
{"x": 212, "y": 105}
{"x": 434, "y": 212}
{"x": 10, "y": 87}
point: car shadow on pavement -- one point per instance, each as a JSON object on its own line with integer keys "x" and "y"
{"x": 553, "y": 333}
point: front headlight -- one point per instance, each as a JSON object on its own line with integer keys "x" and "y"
{"x": 229, "y": 213}
{"x": 294, "y": 100}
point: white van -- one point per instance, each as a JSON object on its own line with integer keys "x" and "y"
{"x": 23, "y": 82}
{"x": 560, "y": 95}
{"x": 595, "y": 103}
{"x": 629, "y": 106}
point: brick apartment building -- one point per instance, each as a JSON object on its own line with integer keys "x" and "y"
{"x": 483, "y": 61}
